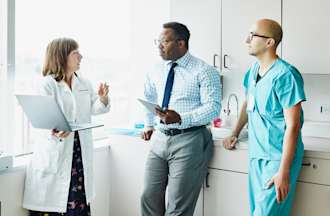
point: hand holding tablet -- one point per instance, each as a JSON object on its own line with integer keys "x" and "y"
{"x": 151, "y": 106}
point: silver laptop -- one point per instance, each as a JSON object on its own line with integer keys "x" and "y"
{"x": 45, "y": 113}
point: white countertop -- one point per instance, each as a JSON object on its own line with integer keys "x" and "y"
{"x": 317, "y": 144}
{"x": 314, "y": 146}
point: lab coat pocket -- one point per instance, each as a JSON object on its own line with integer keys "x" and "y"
{"x": 46, "y": 158}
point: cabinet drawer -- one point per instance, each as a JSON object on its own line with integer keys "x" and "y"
{"x": 231, "y": 160}
{"x": 315, "y": 170}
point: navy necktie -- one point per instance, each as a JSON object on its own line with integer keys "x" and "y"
{"x": 168, "y": 86}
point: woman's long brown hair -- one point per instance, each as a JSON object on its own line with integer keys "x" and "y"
{"x": 57, "y": 54}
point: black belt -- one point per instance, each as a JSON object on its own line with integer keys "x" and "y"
{"x": 174, "y": 131}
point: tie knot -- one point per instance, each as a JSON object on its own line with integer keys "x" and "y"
{"x": 174, "y": 64}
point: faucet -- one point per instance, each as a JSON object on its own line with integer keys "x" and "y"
{"x": 227, "y": 111}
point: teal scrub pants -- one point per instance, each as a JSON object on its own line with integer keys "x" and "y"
{"x": 262, "y": 199}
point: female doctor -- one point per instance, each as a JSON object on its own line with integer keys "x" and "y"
{"x": 59, "y": 179}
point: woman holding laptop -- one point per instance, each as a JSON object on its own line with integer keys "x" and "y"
{"x": 59, "y": 179}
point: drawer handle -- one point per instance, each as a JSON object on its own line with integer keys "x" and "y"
{"x": 309, "y": 164}
{"x": 224, "y": 61}
{"x": 207, "y": 180}
{"x": 306, "y": 163}
{"x": 214, "y": 60}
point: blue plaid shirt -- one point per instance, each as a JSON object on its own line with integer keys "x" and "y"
{"x": 196, "y": 93}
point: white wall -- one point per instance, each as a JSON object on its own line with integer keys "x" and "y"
{"x": 147, "y": 21}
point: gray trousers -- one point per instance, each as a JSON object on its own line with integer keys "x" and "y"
{"x": 180, "y": 164}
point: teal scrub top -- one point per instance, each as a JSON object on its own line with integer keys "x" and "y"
{"x": 280, "y": 88}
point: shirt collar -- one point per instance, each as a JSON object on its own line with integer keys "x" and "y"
{"x": 182, "y": 61}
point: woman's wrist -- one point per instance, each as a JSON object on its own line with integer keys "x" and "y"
{"x": 104, "y": 100}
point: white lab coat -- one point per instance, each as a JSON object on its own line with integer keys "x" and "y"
{"x": 49, "y": 172}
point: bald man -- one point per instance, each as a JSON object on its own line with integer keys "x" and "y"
{"x": 274, "y": 91}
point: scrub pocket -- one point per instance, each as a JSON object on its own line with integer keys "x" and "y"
{"x": 269, "y": 170}
{"x": 260, "y": 173}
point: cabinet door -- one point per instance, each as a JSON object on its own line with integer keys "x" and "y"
{"x": 237, "y": 18}
{"x": 311, "y": 199}
{"x": 128, "y": 156}
{"x": 203, "y": 19}
{"x": 227, "y": 194}
{"x": 306, "y": 41}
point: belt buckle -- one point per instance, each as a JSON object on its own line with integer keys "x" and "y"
{"x": 171, "y": 132}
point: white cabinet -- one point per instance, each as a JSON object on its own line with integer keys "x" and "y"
{"x": 311, "y": 199}
{"x": 306, "y": 41}
{"x": 226, "y": 187}
{"x": 127, "y": 163}
{"x": 313, "y": 189}
{"x": 203, "y": 19}
{"x": 226, "y": 193}
{"x": 237, "y": 18}
{"x": 100, "y": 205}
{"x": 11, "y": 193}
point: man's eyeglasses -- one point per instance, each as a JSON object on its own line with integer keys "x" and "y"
{"x": 163, "y": 42}
{"x": 252, "y": 34}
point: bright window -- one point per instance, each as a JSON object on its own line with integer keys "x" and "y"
{"x": 115, "y": 39}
